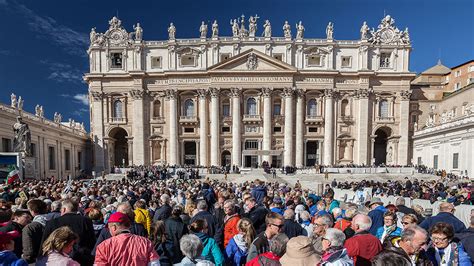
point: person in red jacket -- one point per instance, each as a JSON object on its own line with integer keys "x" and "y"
{"x": 277, "y": 250}
{"x": 363, "y": 246}
{"x": 230, "y": 221}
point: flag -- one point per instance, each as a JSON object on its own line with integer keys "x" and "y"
{"x": 12, "y": 176}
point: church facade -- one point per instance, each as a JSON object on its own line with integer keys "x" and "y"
{"x": 241, "y": 100}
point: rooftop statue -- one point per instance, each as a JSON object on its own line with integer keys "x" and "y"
{"x": 172, "y": 32}
{"x": 203, "y": 30}
{"x": 299, "y": 30}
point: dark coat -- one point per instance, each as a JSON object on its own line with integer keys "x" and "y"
{"x": 377, "y": 219}
{"x": 175, "y": 229}
{"x": 80, "y": 225}
{"x": 136, "y": 229}
{"x": 444, "y": 217}
{"x": 31, "y": 235}
{"x": 211, "y": 222}
{"x": 467, "y": 240}
{"x": 162, "y": 213}
{"x": 13, "y": 226}
{"x": 259, "y": 193}
{"x": 257, "y": 216}
{"x": 292, "y": 229}
{"x": 259, "y": 245}
{"x": 406, "y": 210}
{"x": 390, "y": 248}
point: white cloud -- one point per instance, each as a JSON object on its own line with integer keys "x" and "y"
{"x": 82, "y": 98}
{"x": 63, "y": 72}
{"x": 71, "y": 41}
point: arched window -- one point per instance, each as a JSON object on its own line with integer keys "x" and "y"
{"x": 277, "y": 107}
{"x": 345, "y": 111}
{"x": 251, "y": 106}
{"x": 383, "y": 109}
{"x": 118, "y": 109}
{"x": 312, "y": 108}
{"x": 189, "y": 108}
{"x": 156, "y": 108}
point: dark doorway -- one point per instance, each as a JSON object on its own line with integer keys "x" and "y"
{"x": 312, "y": 153}
{"x": 276, "y": 161}
{"x": 226, "y": 159}
{"x": 380, "y": 146}
{"x": 190, "y": 153}
{"x": 120, "y": 147}
{"x": 251, "y": 161}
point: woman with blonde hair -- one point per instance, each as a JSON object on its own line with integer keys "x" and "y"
{"x": 237, "y": 249}
{"x": 57, "y": 247}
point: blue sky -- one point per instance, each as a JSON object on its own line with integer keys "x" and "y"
{"x": 43, "y": 42}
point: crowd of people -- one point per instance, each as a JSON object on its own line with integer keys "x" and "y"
{"x": 149, "y": 220}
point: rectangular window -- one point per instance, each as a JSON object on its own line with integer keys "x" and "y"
{"x": 414, "y": 118}
{"x": 314, "y": 60}
{"x": 33, "y": 149}
{"x": 455, "y": 160}
{"x": 6, "y": 145}
{"x": 226, "y": 110}
{"x": 225, "y": 57}
{"x": 447, "y": 78}
{"x": 457, "y": 73}
{"x": 470, "y": 80}
{"x": 51, "y": 158}
{"x": 457, "y": 86}
{"x": 188, "y": 130}
{"x": 385, "y": 60}
{"x": 435, "y": 162}
{"x": 313, "y": 129}
{"x": 278, "y": 56}
{"x": 116, "y": 60}
{"x": 346, "y": 61}
{"x": 251, "y": 144}
{"x": 225, "y": 129}
{"x": 188, "y": 60}
{"x": 277, "y": 109}
{"x": 79, "y": 160}
{"x": 419, "y": 161}
{"x": 67, "y": 160}
{"x": 277, "y": 129}
{"x": 156, "y": 62}
{"x": 471, "y": 68}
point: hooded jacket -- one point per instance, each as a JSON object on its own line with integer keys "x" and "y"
{"x": 236, "y": 251}
{"x": 259, "y": 192}
{"x": 211, "y": 250}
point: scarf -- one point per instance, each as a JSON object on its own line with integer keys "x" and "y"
{"x": 387, "y": 231}
{"x": 450, "y": 255}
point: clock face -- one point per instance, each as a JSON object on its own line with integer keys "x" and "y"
{"x": 387, "y": 35}
{"x": 116, "y": 37}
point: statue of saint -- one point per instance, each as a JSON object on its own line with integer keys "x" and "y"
{"x": 138, "y": 32}
{"x": 37, "y": 110}
{"x": 93, "y": 36}
{"x": 268, "y": 29}
{"x": 22, "y": 141}
{"x": 13, "y": 98}
{"x": 329, "y": 31}
{"x": 172, "y": 31}
{"x": 287, "y": 30}
{"x": 406, "y": 36}
{"x": 390, "y": 154}
{"x": 215, "y": 29}
{"x": 203, "y": 30}
{"x": 253, "y": 25}
{"x": 60, "y": 118}
{"x": 364, "y": 31}
{"x": 41, "y": 112}
{"x": 20, "y": 104}
{"x": 299, "y": 30}
{"x": 235, "y": 28}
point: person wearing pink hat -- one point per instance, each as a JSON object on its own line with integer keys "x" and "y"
{"x": 7, "y": 256}
{"x": 124, "y": 248}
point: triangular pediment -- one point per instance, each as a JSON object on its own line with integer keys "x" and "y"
{"x": 252, "y": 61}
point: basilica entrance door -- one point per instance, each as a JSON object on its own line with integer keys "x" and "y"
{"x": 380, "y": 146}
{"x": 120, "y": 147}
{"x": 190, "y": 152}
{"x": 312, "y": 153}
{"x": 226, "y": 159}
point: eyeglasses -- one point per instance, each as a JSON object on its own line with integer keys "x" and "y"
{"x": 439, "y": 239}
{"x": 318, "y": 225}
{"x": 278, "y": 225}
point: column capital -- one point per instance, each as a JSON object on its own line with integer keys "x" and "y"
{"x": 266, "y": 91}
{"x": 235, "y": 92}
{"x": 96, "y": 95}
{"x": 300, "y": 93}
{"x": 405, "y": 95}
{"x": 202, "y": 93}
{"x": 288, "y": 92}
{"x": 171, "y": 94}
{"x": 137, "y": 94}
{"x": 364, "y": 93}
{"x": 214, "y": 92}
{"x": 329, "y": 92}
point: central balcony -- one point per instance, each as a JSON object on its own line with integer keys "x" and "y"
{"x": 314, "y": 119}
{"x": 385, "y": 120}
{"x": 117, "y": 120}
{"x": 188, "y": 119}
{"x": 252, "y": 119}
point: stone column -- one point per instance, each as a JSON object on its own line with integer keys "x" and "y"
{"x": 236, "y": 127}
{"x": 328, "y": 127}
{"x": 130, "y": 150}
{"x": 203, "y": 124}
{"x": 138, "y": 127}
{"x": 171, "y": 96}
{"x": 97, "y": 119}
{"x": 404, "y": 127}
{"x": 363, "y": 127}
{"x": 214, "y": 92}
{"x": 299, "y": 159}
{"x": 267, "y": 123}
{"x": 288, "y": 141}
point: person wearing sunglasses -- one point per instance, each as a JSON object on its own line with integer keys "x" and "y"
{"x": 409, "y": 220}
{"x": 274, "y": 225}
{"x": 443, "y": 250}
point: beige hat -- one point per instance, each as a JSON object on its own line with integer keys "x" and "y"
{"x": 300, "y": 252}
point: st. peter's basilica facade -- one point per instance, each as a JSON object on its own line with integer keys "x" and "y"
{"x": 242, "y": 100}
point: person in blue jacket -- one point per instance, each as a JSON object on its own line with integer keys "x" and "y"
{"x": 7, "y": 256}
{"x": 389, "y": 227}
{"x": 237, "y": 249}
{"x": 211, "y": 250}
{"x": 376, "y": 214}
{"x": 259, "y": 191}
{"x": 446, "y": 214}
{"x": 443, "y": 250}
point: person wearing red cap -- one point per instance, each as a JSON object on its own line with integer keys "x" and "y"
{"x": 124, "y": 248}
{"x": 7, "y": 257}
